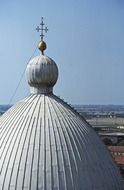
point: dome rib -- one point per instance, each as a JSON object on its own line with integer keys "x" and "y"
{"x": 26, "y": 182}
{"x": 71, "y": 170}
{"x": 16, "y": 130}
{"x": 16, "y": 145}
{"x": 9, "y": 115}
{"x": 13, "y": 117}
{"x": 67, "y": 139}
{"x": 7, "y": 134}
{"x": 58, "y": 147}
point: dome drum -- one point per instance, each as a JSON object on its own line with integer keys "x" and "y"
{"x": 41, "y": 90}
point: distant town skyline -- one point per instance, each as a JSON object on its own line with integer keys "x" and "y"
{"x": 85, "y": 39}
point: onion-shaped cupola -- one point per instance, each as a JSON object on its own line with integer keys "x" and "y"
{"x": 41, "y": 71}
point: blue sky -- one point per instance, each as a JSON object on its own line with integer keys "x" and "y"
{"x": 85, "y": 38}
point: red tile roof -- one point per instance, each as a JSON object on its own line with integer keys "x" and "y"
{"x": 119, "y": 159}
{"x": 116, "y": 149}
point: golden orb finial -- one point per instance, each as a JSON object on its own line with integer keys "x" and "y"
{"x": 42, "y": 46}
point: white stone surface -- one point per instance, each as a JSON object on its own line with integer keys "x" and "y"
{"x": 46, "y": 145}
{"x": 42, "y": 74}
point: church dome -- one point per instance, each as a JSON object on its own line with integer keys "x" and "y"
{"x": 46, "y": 145}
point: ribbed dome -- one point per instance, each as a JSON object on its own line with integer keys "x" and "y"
{"x": 46, "y": 145}
{"x": 42, "y": 74}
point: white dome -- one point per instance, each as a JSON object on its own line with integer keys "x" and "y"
{"x": 42, "y": 74}
{"x": 46, "y": 145}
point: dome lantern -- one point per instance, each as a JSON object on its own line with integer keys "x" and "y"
{"x": 41, "y": 71}
{"x": 42, "y": 74}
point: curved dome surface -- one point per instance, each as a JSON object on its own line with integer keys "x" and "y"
{"x": 42, "y": 74}
{"x": 46, "y": 145}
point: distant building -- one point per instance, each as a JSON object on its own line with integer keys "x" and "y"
{"x": 115, "y": 137}
{"x": 118, "y": 155}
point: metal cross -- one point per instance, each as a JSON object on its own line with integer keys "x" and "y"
{"x": 42, "y": 29}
